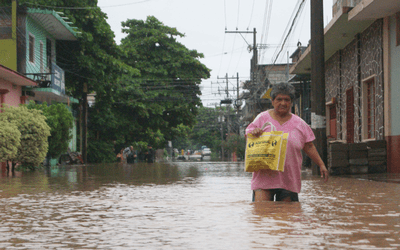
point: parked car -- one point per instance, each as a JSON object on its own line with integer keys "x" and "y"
{"x": 206, "y": 152}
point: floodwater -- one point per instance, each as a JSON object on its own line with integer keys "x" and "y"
{"x": 190, "y": 205}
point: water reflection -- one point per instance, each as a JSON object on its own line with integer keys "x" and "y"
{"x": 190, "y": 205}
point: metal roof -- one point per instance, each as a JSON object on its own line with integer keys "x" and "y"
{"x": 15, "y": 77}
{"x": 53, "y": 23}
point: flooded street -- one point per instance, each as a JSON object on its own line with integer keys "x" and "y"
{"x": 190, "y": 205}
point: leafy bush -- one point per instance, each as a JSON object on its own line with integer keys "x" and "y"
{"x": 60, "y": 121}
{"x": 34, "y": 133}
{"x": 10, "y": 140}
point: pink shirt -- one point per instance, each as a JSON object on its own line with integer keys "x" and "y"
{"x": 299, "y": 134}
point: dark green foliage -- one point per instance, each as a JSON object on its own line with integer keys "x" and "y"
{"x": 99, "y": 151}
{"x": 236, "y": 143}
{"x": 60, "y": 121}
{"x": 205, "y": 132}
{"x": 145, "y": 88}
{"x": 152, "y": 108}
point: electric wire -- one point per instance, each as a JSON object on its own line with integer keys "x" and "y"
{"x": 238, "y": 15}
{"x": 297, "y": 11}
{"x": 251, "y": 15}
{"x": 85, "y": 8}
{"x": 264, "y": 40}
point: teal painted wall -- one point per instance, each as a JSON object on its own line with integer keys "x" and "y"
{"x": 40, "y": 34}
{"x": 394, "y": 79}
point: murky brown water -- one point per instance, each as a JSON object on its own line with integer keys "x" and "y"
{"x": 197, "y": 205}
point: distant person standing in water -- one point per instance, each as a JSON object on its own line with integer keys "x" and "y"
{"x": 130, "y": 154}
{"x": 284, "y": 186}
{"x": 149, "y": 157}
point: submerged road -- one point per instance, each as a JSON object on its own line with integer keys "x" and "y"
{"x": 191, "y": 205}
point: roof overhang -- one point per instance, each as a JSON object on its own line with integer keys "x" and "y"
{"x": 15, "y": 78}
{"x": 53, "y": 23}
{"x": 42, "y": 93}
{"x": 374, "y": 9}
{"x": 299, "y": 78}
{"x": 337, "y": 35}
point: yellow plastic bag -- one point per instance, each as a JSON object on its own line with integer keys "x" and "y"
{"x": 267, "y": 151}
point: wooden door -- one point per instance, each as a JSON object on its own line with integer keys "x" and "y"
{"x": 350, "y": 115}
{"x": 332, "y": 122}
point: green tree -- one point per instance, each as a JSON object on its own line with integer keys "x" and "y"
{"x": 34, "y": 133}
{"x": 182, "y": 140}
{"x": 92, "y": 61}
{"x": 166, "y": 94}
{"x": 60, "y": 121}
{"x": 207, "y": 129}
{"x": 235, "y": 143}
{"x": 10, "y": 139}
{"x": 144, "y": 88}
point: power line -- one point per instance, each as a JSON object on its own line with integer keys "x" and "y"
{"x": 85, "y": 8}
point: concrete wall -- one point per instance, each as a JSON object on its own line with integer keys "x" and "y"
{"x": 8, "y": 53}
{"x": 394, "y": 79}
{"x": 393, "y": 137}
{"x": 12, "y": 98}
{"x": 40, "y": 35}
{"x": 348, "y": 69}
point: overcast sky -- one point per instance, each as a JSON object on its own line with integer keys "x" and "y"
{"x": 204, "y": 23}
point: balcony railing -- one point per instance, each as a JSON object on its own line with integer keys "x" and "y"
{"x": 54, "y": 80}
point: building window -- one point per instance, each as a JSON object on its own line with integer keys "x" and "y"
{"x": 31, "y": 49}
{"x": 369, "y": 108}
{"x": 41, "y": 57}
{"x": 332, "y": 121}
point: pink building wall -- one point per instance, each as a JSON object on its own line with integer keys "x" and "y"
{"x": 12, "y": 98}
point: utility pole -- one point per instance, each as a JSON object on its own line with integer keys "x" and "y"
{"x": 254, "y": 60}
{"x": 222, "y": 131}
{"x": 84, "y": 123}
{"x": 237, "y": 93}
{"x": 228, "y": 128}
{"x": 318, "y": 123}
{"x": 227, "y": 90}
{"x": 227, "y": 100}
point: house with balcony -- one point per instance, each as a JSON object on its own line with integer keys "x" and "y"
{"x": 28, "y": 40}
{"x": 362, "y": 72}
